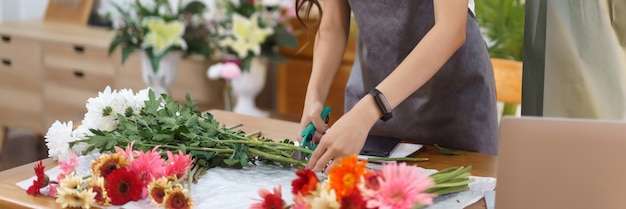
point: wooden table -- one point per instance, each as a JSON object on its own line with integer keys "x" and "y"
{"x": 11, "y": 196}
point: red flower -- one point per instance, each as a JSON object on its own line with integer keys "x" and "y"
{"x": 372, "y": 179}
{"x": 305, "y": 183}
{"x": 40, "y": 182}
{"x": 270, "y": 200}
{"x": 34, "y": 189}
{"x": 123, "y": 186}
{"x": 41, "y": 176}
{"x": 353, "y": 200}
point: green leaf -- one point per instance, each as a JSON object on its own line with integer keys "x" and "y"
{"x": 117, "y": 41}
{"x": 446, "y": 151}
{"x": 194, "y": 7}
{"x": 126, "y": 51}
{"x": 285, "y": 39}
{"x": 107, "y": 111}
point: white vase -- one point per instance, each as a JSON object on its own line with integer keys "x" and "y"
{"x": 162, "y": 81}
{"x": 247, "y": 86}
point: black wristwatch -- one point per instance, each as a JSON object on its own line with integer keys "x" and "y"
{"x": 382, "y": 103}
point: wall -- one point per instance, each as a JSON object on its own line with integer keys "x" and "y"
{"x": 12, "y": 10}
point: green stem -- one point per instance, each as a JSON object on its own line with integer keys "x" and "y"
{"x": 402, "y": 159}
{"x": 276, "y": 158}
{"x": 197, "y": 148}
{"x": 257, "y": 133}
{"x": 234, "y": 126}
{"x": 260, "y": 143}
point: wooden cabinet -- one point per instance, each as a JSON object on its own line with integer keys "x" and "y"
{"x": 20, "y": 82}
{"x": 48, "y": 71}
{"x": 293, "y": 77}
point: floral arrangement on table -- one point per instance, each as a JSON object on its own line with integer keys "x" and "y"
{"x": 150, "y": 128}
{"x": 135, "y": 146}
{"x": 159, "y": 27}
{"x": 118, "y": 178}
{"x": 351, "y": 185}
{"x": 247, "y": 29}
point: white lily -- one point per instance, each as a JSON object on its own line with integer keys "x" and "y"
{"x": 248, "y": 35}
{"x": 163, "y": 35}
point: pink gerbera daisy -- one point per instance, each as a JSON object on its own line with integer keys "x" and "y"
{"x": 177, "y": 164}
{"x": 402, "y": 187}
{"x": 128, "y": 153}
{"x": 148, "y": 166}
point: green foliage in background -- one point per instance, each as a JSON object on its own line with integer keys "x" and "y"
{"x": 504, "y": 24}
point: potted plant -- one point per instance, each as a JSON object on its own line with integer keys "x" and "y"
{"x": 248, "y": 34}
{"x": 164, "y": 31}
{"x": 503, "y": 24}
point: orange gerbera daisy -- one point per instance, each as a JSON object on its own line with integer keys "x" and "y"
{"x": 345, "y": 176}
{"x": 107, "y": 163}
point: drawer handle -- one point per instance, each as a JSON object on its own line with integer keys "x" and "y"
{"x": 79, "y": 49}
{"x": 79, "y": 73}
{"x": 6, "y": 62}
{"x": 6, "y": 38}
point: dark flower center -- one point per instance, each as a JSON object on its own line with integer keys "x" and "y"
{"x": 178, "y": 202}
{"x": 108, "y": 168}
{"x": 123, "y": 187}
{"x": 157, "y": 195}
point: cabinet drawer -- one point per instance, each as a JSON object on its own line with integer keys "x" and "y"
{"x": 88, "y": 59}
{"x": 66, "y": 92}
{"x": 21, "y": 109}
{"x": 19, "y": 53}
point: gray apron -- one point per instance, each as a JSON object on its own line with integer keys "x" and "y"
{"x": 456, "y": 108}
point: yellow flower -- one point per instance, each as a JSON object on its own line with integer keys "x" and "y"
{"x": 176, "y": 198}
{"x": 107, "y": 163}
{"x": 248, "y": 36}
{"x": 156, "y": 190}
{"x": 162, "y": 35}
{"x": 96, "y": 184}
{"x": 72, "y": 198}
{"x": 71, "y": 181}
{"x": 324, "y": 197}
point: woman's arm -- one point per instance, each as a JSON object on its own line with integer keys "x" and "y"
{"x": 330, "y": 45}
{"x": 444, "y": 39}
{"x": 433, "y": 51}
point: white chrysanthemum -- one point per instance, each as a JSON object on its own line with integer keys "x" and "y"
{"x": 140, "y": 100}
{"x": 57, "y": 139}
{"x": 125, "y": 98}
{"x": 94, "y": 120}
{"x": 104, "y": 99}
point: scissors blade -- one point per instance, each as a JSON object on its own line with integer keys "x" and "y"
{"x": 298, "y": 155}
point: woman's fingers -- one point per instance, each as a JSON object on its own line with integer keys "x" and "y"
{"x": 319, "y": 151}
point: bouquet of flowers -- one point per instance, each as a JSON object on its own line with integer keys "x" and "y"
{"x": 118, "y": 178}
{"x": 351, "y": 185}
{"x": 247, "y": 29}
{"x": 150, "y": 128}
{"x": 158, "y": 27}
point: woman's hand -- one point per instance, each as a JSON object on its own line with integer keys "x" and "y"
{"x": 312, "y": 113}
{"x": 347, "y": 136}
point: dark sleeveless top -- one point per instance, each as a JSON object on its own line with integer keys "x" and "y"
{"x": 456, "y": 108}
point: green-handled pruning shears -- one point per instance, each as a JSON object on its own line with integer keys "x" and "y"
{"x": 309, "y": 131}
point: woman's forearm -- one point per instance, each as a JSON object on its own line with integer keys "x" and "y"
{"x": 330, "y": 45}
{"x": 432, "y": 52}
